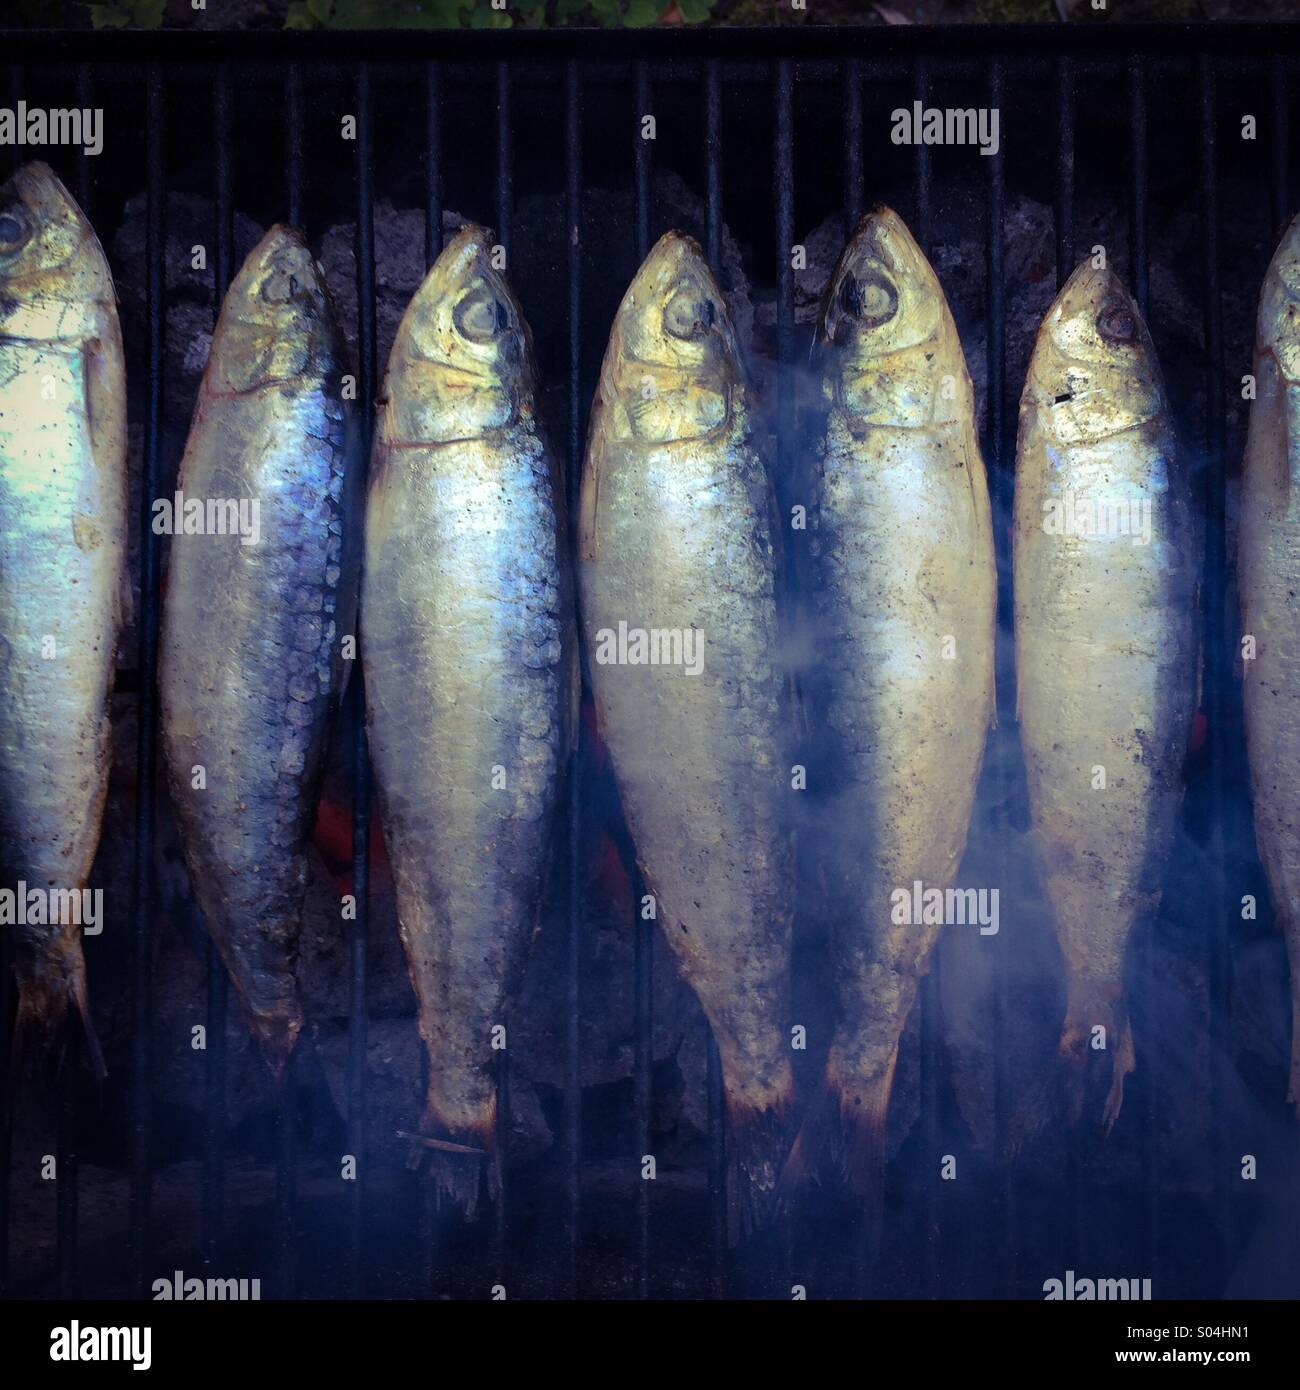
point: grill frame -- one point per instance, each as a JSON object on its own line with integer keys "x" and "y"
{"x": 780, "y": 58}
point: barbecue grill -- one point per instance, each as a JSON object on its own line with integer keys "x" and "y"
{"x": 774, "y": 131}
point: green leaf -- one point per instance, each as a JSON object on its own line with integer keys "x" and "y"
{"x": 642, "y": 12}
{"x": 108, "y": 15}
{"x": 148, "y": 14}
{"x": 298, "y": 16}
{"x": 694, "y": 11}
{"x": 320, "y": 10}
{"x": 483, "y": 16}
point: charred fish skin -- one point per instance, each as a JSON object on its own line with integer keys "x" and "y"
{"x": 251, "y": 661}
{"x": 63, "y": 527}
{"x": 1106, "y": 647}
{"x": 905, "y": 610}
{"x": 677, "y": 536}
{"x": 1269, "y": 579}
{"x": 469, "y": 650}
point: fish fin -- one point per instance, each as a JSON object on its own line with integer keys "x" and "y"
{"x": 757, "y": 1143}
{"x": 1075, "y": 1050}
{"x": 802, "y": 1164}
{"x": 589, "y": 493}
{"x": 277, "y": 1036}
{"x": 1124, "y": 1063}
{"x": 860, "y": 1150}
{"x": 89, "y": 1038}
{"x": 39, "y": 1023}
{"x": 457, "y": 1164}
{"x": 844, "y": 1129}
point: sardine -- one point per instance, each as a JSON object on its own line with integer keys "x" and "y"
{"x": 1269, "y": 579}
{"x": 257, "y": 605}
{"x": 1105, "y": 564}
{"x": 904, "y": 603}
{"x": 63, "y": 528}
{"x": 469, "y": 657}
{"x": 677, "y": 546}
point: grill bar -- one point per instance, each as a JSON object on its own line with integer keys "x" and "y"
{"x": 853, "y": 195}
{"x": 504, "y": 214}
{"x": 357, "y": 1020}
{"x": 1137, "y": 96}
{"x": 432, "y": 161}
{"x": 1278, "y": 90}
{"x": 16, "y": 85}
{"x": 783, "y": 161}
{"x": 928, "y": 994}
{"x": 717, "y": 1173}
{"x": 1065, "y": 260}
{"x": 214, "y": 1130}
{"x": 66, "y": 1165}
{"x": 574, "y": 879}
{"x": 1218, "y": 664}
{"x": 293, "y": 146}
{"x": 432, "y": 1230}
{"x": 505, "y": 172}
{"x": 1064, "y": 170}
{"x": 1000, "y": 460}
{"x": 146, "y": 749}
{"x": 66, "y": 1158}
{"x": 1148, "y": 1216}
{"x": 643, "y": 932}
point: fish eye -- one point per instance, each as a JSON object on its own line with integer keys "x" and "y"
{"x": 13, "y": 230}
{"x": 689, "y": 315}
{"x": 1115, "y": 323}
{"x": 872, "y": 299}
{"x": 481, "y": 316}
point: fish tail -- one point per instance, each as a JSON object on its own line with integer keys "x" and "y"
{"x": 844, "y": 1130}
{"x": 459, "y": 1163}
{"x": 757, "y": 1142}
{"x": 803, "y": 1162}
{"x": 89, "y": 1038}
{"x": 277, "y": 1036}
{"x": 1075, "y": 1048}
{"x": 1124, "y": 1063}
{"x": 861, "y": 1150}
{"x": 41, "y": 1019}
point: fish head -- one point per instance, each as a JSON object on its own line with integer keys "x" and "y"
{"x": 53, "y": 276}
{"x": 1277, "y": 328}
{"x": 276, "y": 321}
{"x": 883, "y": 310}
{"x": 462, "y": 361}
{"x": 1094, "y": 371}
{"x": 673, "y": 361}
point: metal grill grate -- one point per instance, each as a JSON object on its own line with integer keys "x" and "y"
{"x": 110, "y": 70}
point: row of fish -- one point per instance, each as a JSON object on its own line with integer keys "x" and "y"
{"x": 470, "y": 652}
